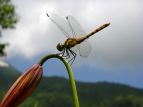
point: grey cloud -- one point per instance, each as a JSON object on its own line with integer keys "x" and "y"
{"x": 119, "y": 44}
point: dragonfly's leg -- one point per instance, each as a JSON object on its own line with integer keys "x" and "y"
{"x": 71, "y": 60}
{"x": 63, "y": 53}
{"x": 68, "y": 55}
{"x": 72, "y": 52}
{"x": 74, "y": 56}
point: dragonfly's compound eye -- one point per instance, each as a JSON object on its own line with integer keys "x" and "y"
{"x": 60, "y": 47}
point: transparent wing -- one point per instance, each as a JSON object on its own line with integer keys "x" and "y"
{"x": 76, "y": 29}
{"x": 84, "y": 49}
{"x": 61, "y": 24}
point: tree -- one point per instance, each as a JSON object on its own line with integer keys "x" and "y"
{"x": 8, "y": 18}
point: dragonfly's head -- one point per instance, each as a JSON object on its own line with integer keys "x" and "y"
{"x": 60, "y": 47}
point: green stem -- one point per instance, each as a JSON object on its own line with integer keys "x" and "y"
{"x": 71, "y": 77}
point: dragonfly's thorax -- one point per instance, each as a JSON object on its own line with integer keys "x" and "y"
{"x": 70, "y": 42}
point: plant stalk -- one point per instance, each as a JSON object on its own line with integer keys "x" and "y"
{"x": 70, "y": 73}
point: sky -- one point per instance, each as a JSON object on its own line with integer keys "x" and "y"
{"x": 117, "y": 54}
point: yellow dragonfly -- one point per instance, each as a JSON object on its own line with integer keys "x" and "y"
{"x": 76, "y": 37}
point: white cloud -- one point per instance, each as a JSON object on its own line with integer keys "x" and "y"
{"x": 119, "y": 44}
{"x": 3, "y": 63}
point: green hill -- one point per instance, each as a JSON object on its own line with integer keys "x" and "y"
{"x": 7, "y": 76}
{"x": 56, "y": 92}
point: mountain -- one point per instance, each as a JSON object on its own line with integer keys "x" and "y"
{"x": 56, "y": 92}
{"x": 7, "y": 76}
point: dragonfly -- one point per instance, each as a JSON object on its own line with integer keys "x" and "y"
{"x": 76, "y": 37}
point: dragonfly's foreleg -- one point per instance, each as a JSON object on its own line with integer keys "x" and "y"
{"x": 63, "y": 53}
{"x": 74, "y": 56}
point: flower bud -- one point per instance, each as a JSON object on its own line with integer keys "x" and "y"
{"x": 22, "y": 87}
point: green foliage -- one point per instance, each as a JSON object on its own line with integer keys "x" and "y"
{"x": 2, "y": 47}
{"x": 7, "y": 14}
{"x": 56, "y": 92}
{"x": 8, "y": 18}
{"x": 127, "y": 101}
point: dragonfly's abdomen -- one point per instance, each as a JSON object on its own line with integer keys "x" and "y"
{"x": 92, "y": 33}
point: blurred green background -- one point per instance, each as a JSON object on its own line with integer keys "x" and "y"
{"x": 56, "y": 92}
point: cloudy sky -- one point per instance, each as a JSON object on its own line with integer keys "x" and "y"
{"x": 117, "y": 51}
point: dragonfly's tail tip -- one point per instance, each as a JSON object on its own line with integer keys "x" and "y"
{"x": 107, "y": 24}
{"x": 47, "y": 14}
